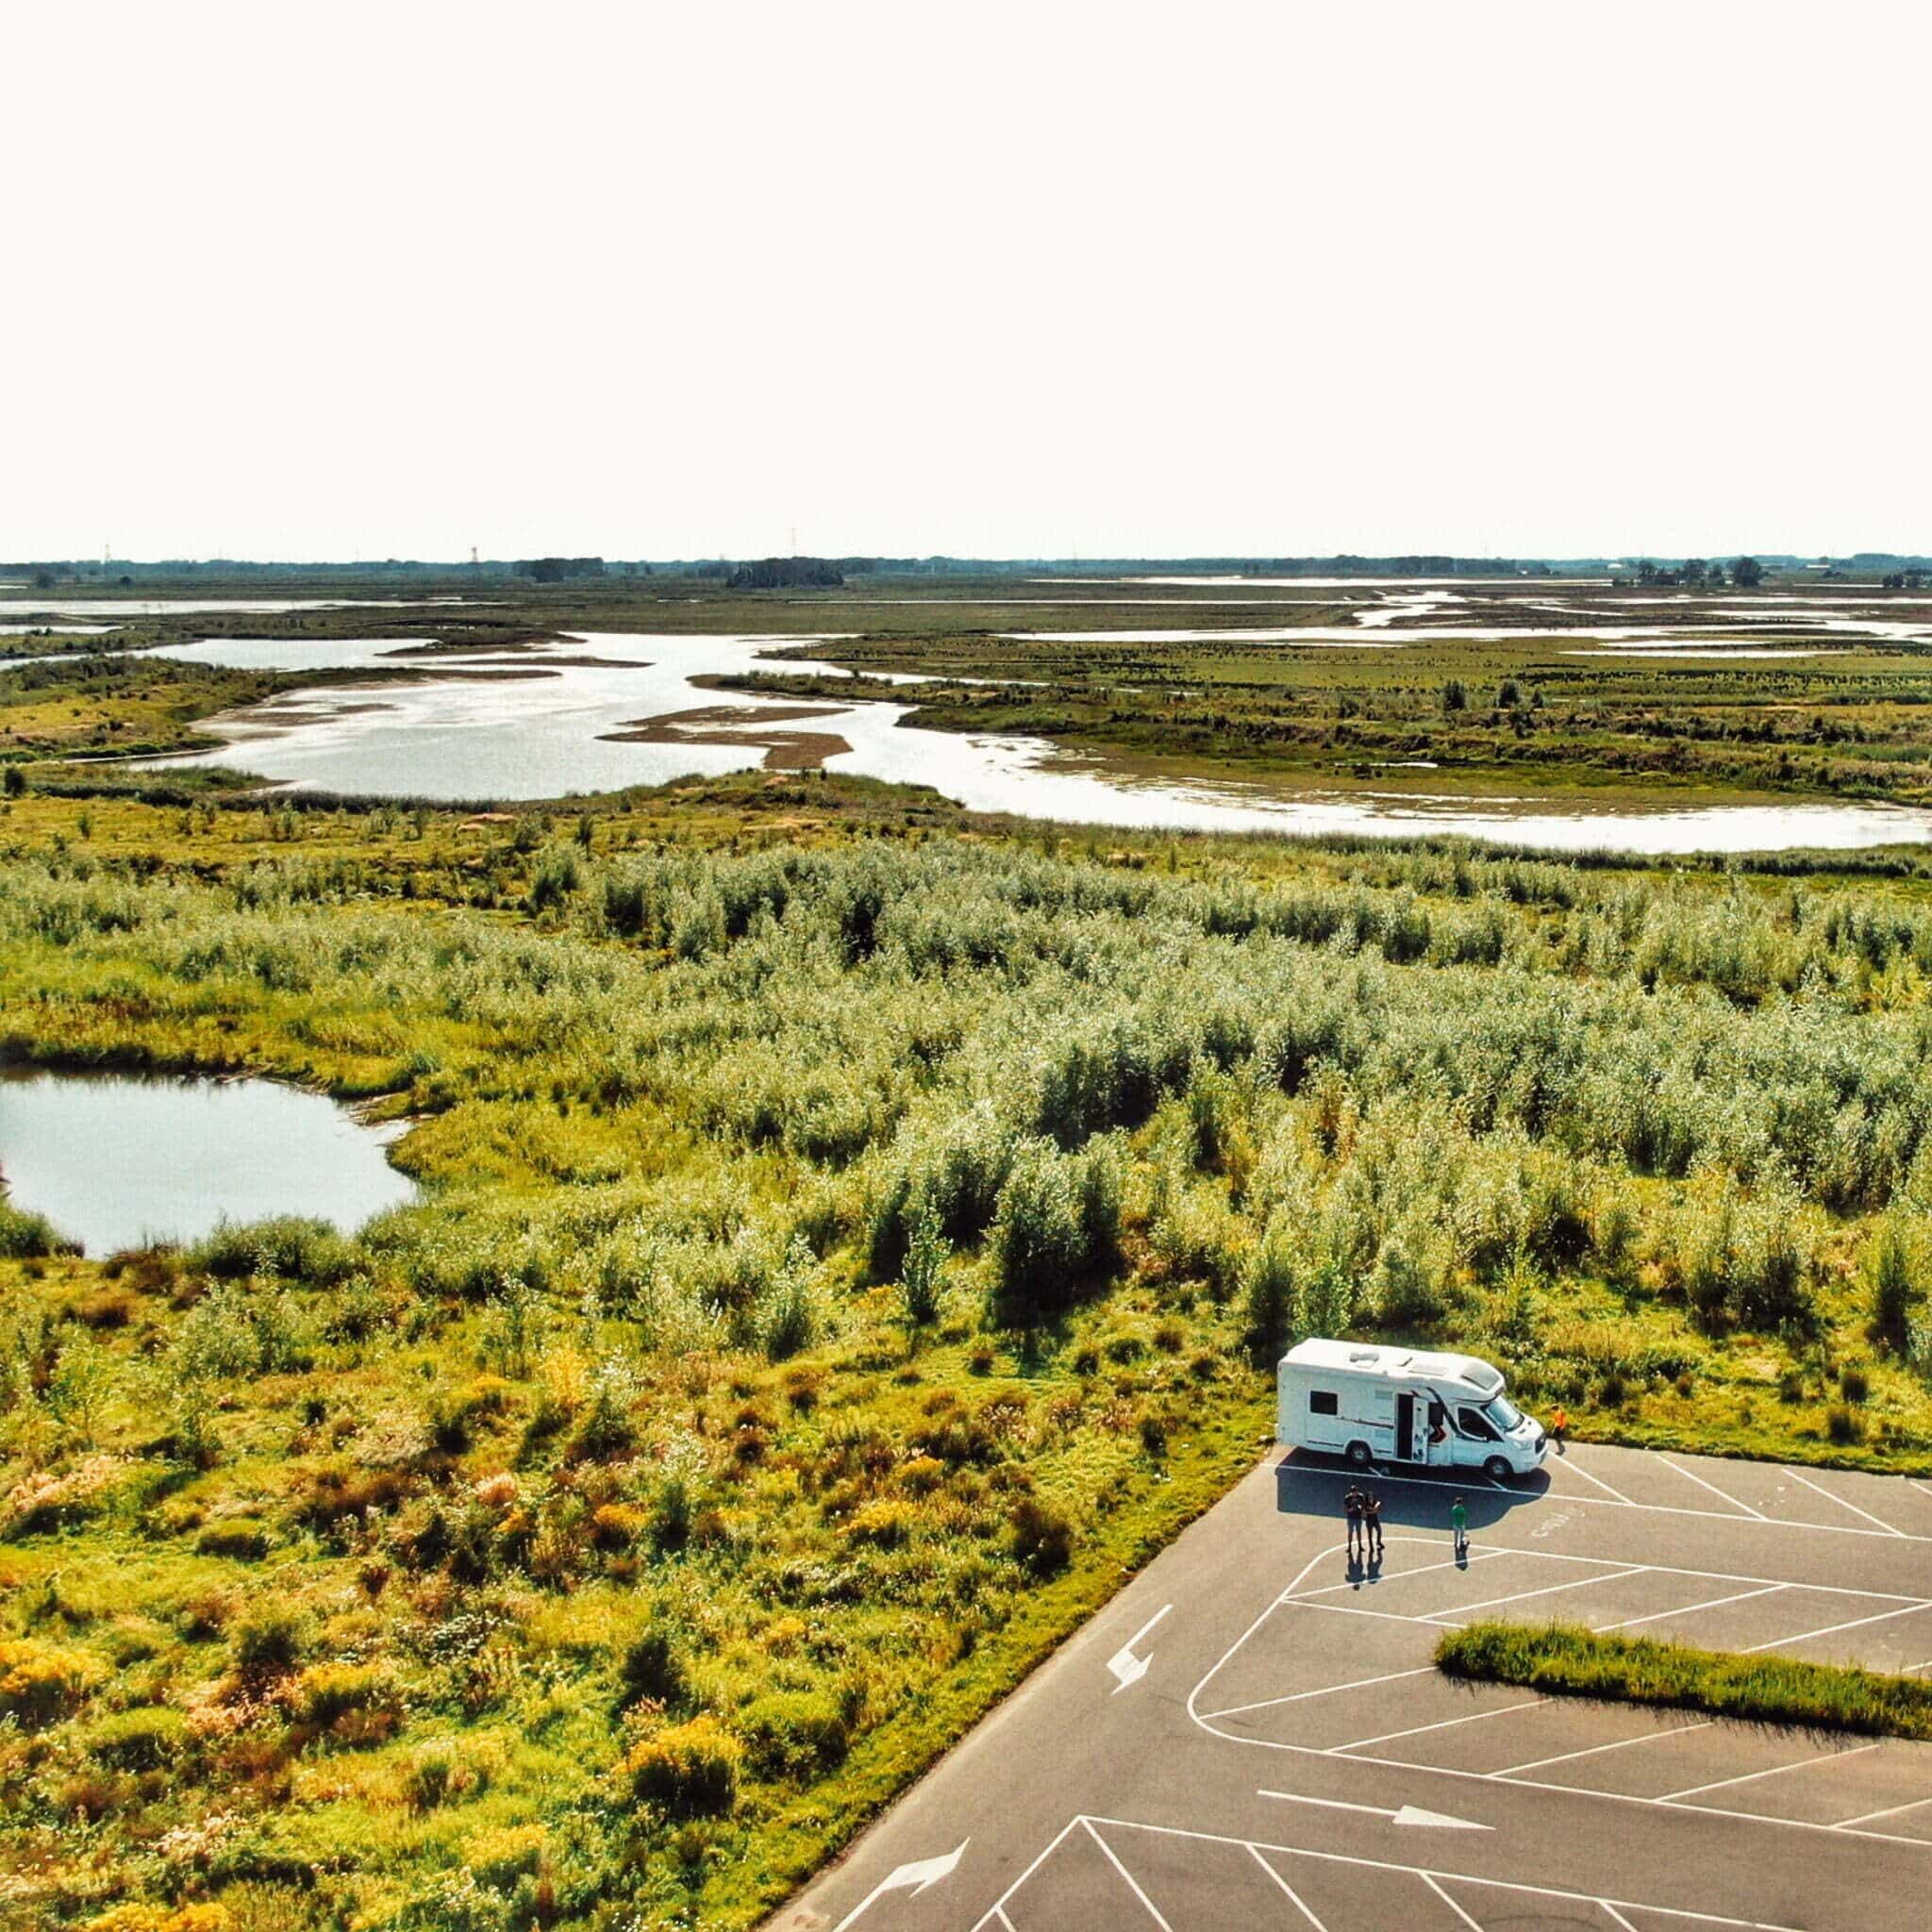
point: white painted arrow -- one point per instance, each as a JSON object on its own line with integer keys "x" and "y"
{"x": 1406, "y": 1814}
{"x": 1127, "y": 1668}
{"x": 914, "y": 1878}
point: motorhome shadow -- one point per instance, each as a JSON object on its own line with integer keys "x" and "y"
{"x": 1309, "y": 1484}
{"x": 1404, "y": 1409}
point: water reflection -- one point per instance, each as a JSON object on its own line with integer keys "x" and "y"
{"x": 535, "y": 727}
{"x": 113, "y": 1160}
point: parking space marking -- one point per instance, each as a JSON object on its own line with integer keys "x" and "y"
{"x": 1832, "y": 1630}
{"x": 1691, "y": 1609}
{"x": 1736, "y": 1515}
{"x": 1302, "y": 1602}
{"x": 1523, "y": 1595}
{"x": 1511, "y": 1771}
{"x": 1419, "y": 1570}
{"x": 1889, "y": 1811}
{"x": 1052, "y": 1845}
{"x": 1428, "y": 1871}
{"x": 1153, "y": 1910}
{"x": 1598, "y": 1480}
{"x": 1287, "y": 1889}
{"x": 1712, "y": 1488}
{"x": 1431, "y": 1882}
{"x": 1326, "y": 1691}
{"x": 1474, "y": 1717}
{"x": 1616, "y": 1915}
{"x": 1829, "y": 1497}
{"x": 1899, "y": 1605}
{"x": 1771, "y": 1771}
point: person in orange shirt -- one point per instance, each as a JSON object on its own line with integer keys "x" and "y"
{"x": 1558, "y": 1423}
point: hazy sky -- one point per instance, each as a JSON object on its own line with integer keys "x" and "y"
{"x": 1114, "y": 279}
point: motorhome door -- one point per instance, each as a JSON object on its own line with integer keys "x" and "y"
{"x": 1411, "y": 1430}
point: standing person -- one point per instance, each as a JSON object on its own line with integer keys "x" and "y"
{"x": 1351, "y": 1507}
{"x": 1458, "y": 1527}
{"x": 1371, "y": 1522}
{"x": 1558, "y": 1423}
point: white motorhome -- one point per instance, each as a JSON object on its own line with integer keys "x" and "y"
{"x": 1403, "y": 1406}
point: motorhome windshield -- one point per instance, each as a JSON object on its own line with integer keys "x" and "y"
{"x": 1504, "y": 1413}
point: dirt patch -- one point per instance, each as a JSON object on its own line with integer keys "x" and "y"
{"x": 742, "y": 724}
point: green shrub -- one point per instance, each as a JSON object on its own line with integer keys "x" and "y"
{"x": 922, "y": 1278}
{"x": 25, "y": 1235}
{"x": 1889, "y": 1264}
{"x": 144, "y": 1738}
{"x": 1268, "y": 1298}
{"x": 238, "y": 1537}
{"x": 653, "y": 1668}
{"x": 286, "y": 1246}
{"x": 1043, "y": 1537}
{"x": 687, "y": 1770}
{"x": 1058, "y": 1226}
{"x": 324, "y": 1692}
{"x": 792, "y": 1734}
{"x": 271, "y": 1638}
{"x": 443, "y": 1771}
{"x": 41, "y": 1683}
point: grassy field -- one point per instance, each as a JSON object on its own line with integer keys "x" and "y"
{"x": 1502, "y": 712}
{"x": 853, "y": 1238}
{"x": 854, "y": 1233}
{"x": 1569, "y": 1660}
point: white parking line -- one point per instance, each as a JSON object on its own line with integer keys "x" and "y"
{"x": 1902, "y": 1605}
{"x": 1593, "y": 1749}
{"x": 1421, "y": 1570}
{"x": 1889, "y": 1811}
{"x": 1052, "y": 1845}
{"x": 1745, "y": 1777}
{"x": 1523, "y": 1595}
{"x": 1691, "y": 1609}
{"x": 1474, "y": 1717}
{"x": 1890, "y": 1838}
{"x": 1293, "y": 1898}
{"x": 1712, "y": 1488}
{"x": 1829, "y": 1497}
{"x": 1598, "y": 1480}
{"x": 1326, "y": 1691}
{"x": 1832, "y": 1630}
{"x": 1302, "y": 1602}
{"x": 1451, "y": 1903}
{"x": 1153, "y": 1910}
{"x": 1583, "y": 1898}
{"x": 1614, "y": 1913}
{"x": 1651, "y": 1508}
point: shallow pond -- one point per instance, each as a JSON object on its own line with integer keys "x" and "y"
{"x": 543, "y": 731}
{"x": 113, "y": 1160}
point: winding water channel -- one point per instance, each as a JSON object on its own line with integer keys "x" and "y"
{"x": 543, "y": 723}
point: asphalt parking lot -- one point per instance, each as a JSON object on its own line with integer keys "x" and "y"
{"x": 1252, "y": 1734}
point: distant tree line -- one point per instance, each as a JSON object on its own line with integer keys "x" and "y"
{"x": 558, "y": 570}
{"x": 787, "y": 573}
{"x": 1695, "y": 574}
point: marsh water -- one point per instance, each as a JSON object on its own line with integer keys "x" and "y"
{"x": 539, "y": 724}
{"x": 113, "y": 1160}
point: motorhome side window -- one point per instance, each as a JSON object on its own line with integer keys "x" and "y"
{"x": 1472, "y": 1422}
{"x": 1323, "y": 1402}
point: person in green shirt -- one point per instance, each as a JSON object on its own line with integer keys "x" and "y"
{"x": 1459, "y": 1525}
